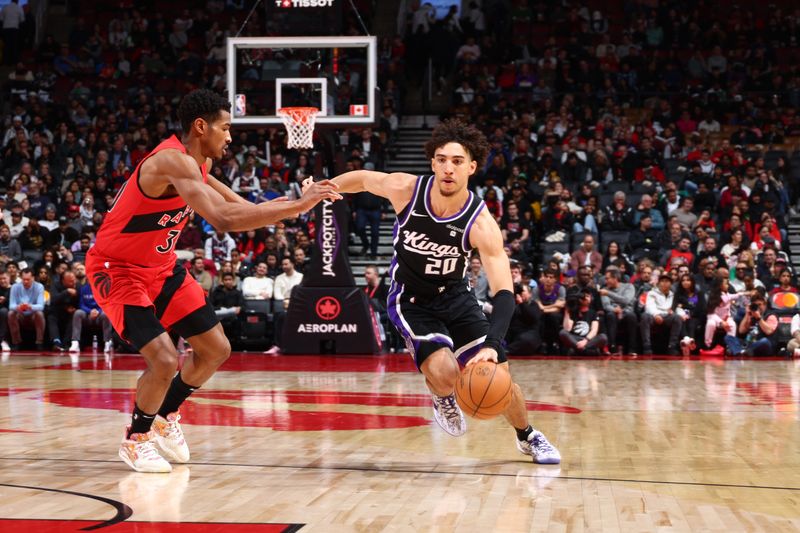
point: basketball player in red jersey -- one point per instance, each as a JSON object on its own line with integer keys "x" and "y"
{"x": 140, "y": 285}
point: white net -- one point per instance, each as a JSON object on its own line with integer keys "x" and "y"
{"x": 299, "y": 122}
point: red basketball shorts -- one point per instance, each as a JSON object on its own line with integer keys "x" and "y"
{"x": 125, "y": 292}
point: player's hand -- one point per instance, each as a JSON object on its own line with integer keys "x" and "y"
{"x": 93, "y": 313}
{"x": 318, "y": 191}
{"x": 485, "y": 354}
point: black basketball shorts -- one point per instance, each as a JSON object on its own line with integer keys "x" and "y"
{"x": 452, "y": 319}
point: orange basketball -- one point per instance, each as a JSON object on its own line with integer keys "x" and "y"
{"x": 484, "y": 390}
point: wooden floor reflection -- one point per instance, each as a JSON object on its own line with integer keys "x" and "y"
{"x": 347, "y": 444}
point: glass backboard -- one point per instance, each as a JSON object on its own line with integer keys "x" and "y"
{"x": 337, "y": 75}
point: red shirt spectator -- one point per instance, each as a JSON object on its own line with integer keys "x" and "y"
{"x": 138, "y": 153}
{"x": 729, "y": 197}
{"x": 675, "y": 254}
{"x": 278, "y": 165}
{"x": 650, "y": 173}
{"x": 686, "y": 123}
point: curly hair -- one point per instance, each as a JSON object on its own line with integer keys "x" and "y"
{"x": 456, "y": 131}
{"x": 201, "y": 103}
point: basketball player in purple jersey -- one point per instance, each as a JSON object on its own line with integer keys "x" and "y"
{"x": 439, "y": 223}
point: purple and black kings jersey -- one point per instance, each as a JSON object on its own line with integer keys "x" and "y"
{"x": 431, "y": 254}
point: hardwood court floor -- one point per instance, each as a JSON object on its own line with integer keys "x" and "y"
{"x": 347, "y": 444}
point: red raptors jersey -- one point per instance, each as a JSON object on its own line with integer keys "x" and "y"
{"x": 140, "y": 230}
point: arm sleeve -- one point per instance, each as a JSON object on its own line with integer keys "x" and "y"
{"x": 502, "y": 312}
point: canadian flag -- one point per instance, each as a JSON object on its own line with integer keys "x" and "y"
{"x": 359, "y": 110}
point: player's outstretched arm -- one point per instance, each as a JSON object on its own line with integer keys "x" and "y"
{"x": 184, "y": 175}
{"x": 396, "y": 187}
{"x": 486, "y": 237}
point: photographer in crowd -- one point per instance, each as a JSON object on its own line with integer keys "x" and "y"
{"x": 758, "y": 327}
{"x": 580, "y": 334}
{"x": 523, "y": 331}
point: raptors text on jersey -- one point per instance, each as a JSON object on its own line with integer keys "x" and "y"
{"x": 141, "y": 230}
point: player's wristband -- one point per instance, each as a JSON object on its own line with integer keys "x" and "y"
{"x": 503, "y": 305}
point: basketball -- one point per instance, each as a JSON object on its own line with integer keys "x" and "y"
{"x": 484, "y": 390}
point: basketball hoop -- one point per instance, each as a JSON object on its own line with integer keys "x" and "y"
{"x": 299, "y": 122}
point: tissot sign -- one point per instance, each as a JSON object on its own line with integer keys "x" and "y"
{"x": 304, "y": 17}
{"x": 327, "y": 312}
{"x": 304, "y": 3}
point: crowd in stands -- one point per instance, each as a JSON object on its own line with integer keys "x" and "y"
{"x": 641, "y": 164}
{"x": 80, "y": 115}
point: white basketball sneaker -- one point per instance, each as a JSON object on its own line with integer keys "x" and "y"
{"x": 140, "y": 453}
{"x": 448, "y": 415}
{"x": 169, "y": 438}
{"x": 539, "y": 448}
